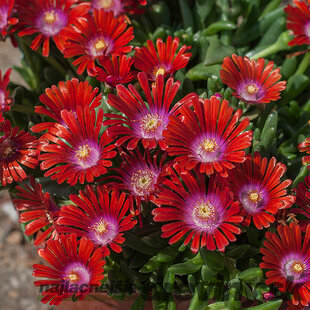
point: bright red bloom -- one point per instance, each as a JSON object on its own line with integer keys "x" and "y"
{"x": 303, "y": 202}
{"x": 100, "y": 215}
{"x": 298, "y": 20}
{"x": 257, "y": 185}
{"x": 139, "y": 174}
{"x": 143, "y": 121}
{"x": 16, "y": 147}
{"x": 115, "y": 70}
{"x": 249, "y": 79}
{"x": 75, "y": 267}
{"x": 49, "y": 19}
{"x": 164, "y": 60}
{"x": 6, "y": 8}
{"x": 287, "y": 256}
{"x": 305, "y": 147}
{"x": 37, "y": 209}
{"x": 68, "y": 96}
{"x": 98, "y": 35}
{"x": 119, "y": 7}
{"x": 77, "y": 149}
{"x": 5, "y": 99}
{"x": 208, "y": 136}
{"x": 207, "y": 214}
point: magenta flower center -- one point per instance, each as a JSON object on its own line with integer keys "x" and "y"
{"x": 295, "y": 269}
{"x": 51, "y": 22}
{"x": 86, "y": 155}
{"x": 106, "y": 4}
{"x": 208, "y": 145}
{"x": 102, "y": 231}
{"x": 208, "y": 149}
{"x": 143, "y": 182}
{"x": 253, "y": 198}
{"x": 3, "y": 16}
{"x": 307, "y": 29}
{"x": 76, "y": 273}
{"x": 204, "y": 214}
{"x": 150, "y": 122}
{"x": 7, "y": 149}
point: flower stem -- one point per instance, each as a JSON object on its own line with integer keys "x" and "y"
{"x": 54, "y": 63}
{"x": 304, "y": 64}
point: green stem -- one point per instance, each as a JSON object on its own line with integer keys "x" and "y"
{"x": 304, "y": 64}
{"x": 55, "y": 64}
{"x": 280, "y": 45}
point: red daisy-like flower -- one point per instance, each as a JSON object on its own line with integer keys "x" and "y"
{"x": 305, "y": 147}
{"x": 164, "y": 60}
{"x": 49, "y": 19}
{"x": 98, "y": 35}
{"x": 74, "y": 268}
{"x": 206, "y": 133}
{"x": 100, "y": 215}
{"x": 115, "y": 70}
{"x": 251, "y": 81}
{"x": 143, "y": 121}
{"x": 6, "y": 20}
{"x": 118, "y": 7}
{"x": 77, "y": 149}
{"x": 5, "y": 99}
{"x": 303, "y": 203}
{"x": 37, "y": 209}
{"x": 207, "y": 214}
{"x": 257, "y": 185}
{"x": 16, "y": 147}
{"x": 298, "y": 20}
{"x": 68, "y": 96}
{"x": 287, "y": 256}
{"x": 140, "y": 174}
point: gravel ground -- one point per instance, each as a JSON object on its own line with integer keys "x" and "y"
{"x": 17, "y": 256}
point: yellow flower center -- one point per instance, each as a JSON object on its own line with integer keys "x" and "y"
{"x": 106, "y": 4}
{"x": 8, "y": 151}
{"x": 204, "y": 211}
{"x": 83, "y": 153}
{"x": 252, "y": 89}
{"x": 150, "y": 122}
{"x": 101, "y": 227}
{"x": 100, "y": 45}
{"x": 159, "y": 70}
{"x": 209, "y": 145}
{"x": 73, "y": 277}
{"x": 254, "y": 196}
{"x": 298, "y": 267}
{"x": 50, "y": 17}
{"x": 142, "y": 181}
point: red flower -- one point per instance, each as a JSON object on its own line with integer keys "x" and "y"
{"x": 139, "y": 174}
{"x": 68, "y": 96}
{"x": 6, "y": 8}
{"x": 249, "y": 79}
{"x": 115, "y": 71}
{"x": 257, "y": 185}
{"x": 303, "y": 202}
{"x": 37, "y": 209}
{"x": 305, "y": 147}
{"x": 99, "y": 215}
{"x": 208, "y": 136}
{"x": 97, "y": 36}
{"x": 206, "y": 214}
{"x": 49, "y": 19}
{"x": 5, "y": 100}
{"x": 165, "y": 60}
{"x": 119, "y": 7}
{"x": 16, "y": 147}
{"x": 298, "y": 20}
{"x": 143, "y": 121}
{"x": 287, "y": 256}
{"x": 75, "y": 267}
{"x": 77, "y": 149}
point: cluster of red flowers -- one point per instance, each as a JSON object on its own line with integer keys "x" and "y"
{"x": 205, "y": 194}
